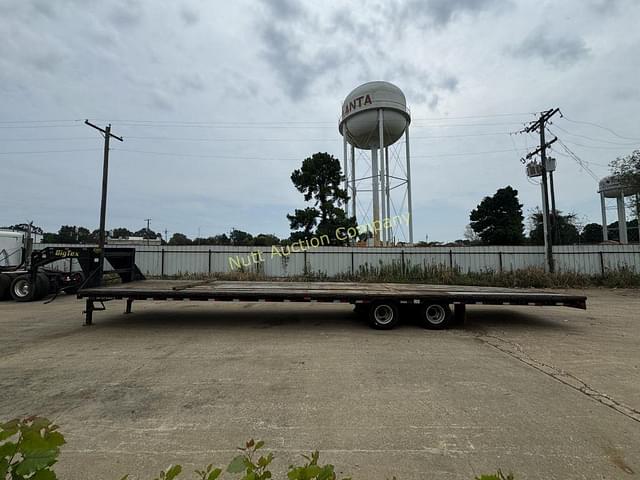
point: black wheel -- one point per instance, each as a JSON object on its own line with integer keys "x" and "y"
{"x": 436, "y": 316}
{"x": 42, "y": 286}
{"x": 22, "y": 289}
{"x": 5, "y": 285}
{"x": 383, "y": 315}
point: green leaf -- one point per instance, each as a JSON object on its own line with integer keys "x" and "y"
{"x": 237, "y": 465}
{"x": 9, "y": 429}
{"x": 44, "y": 475}
{"x": 214, "y": 474}
{"x": 259, "y": 445}
{"x": 6, "y": 450}
{"x": 4, "y": 468}
{"x": 172, "y": 472}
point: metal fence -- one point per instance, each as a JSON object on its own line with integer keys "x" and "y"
{"x": 161, "y": 261}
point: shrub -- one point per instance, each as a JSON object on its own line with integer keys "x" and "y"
{"x": 30, "y": 447}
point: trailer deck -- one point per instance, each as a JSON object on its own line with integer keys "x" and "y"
{"x": 364, "y": 294}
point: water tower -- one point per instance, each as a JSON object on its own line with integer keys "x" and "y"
{"x": 374, "y": 117}
{"x": 611, "y": 187}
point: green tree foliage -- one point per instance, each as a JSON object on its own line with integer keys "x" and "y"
{"x": 121, "y": 232}
{"x": 239, "y": 237}
{"x": 591, "y": 233}
{"x": 627, "y": 169}
{"x": 73, "y": 234}
{"x": 632, "y": 231}
{"x": 29, "y": 448}
{"x": 566, "y": 232}
{"x": 146, "y": 234}
{"x": 265, "y": 240}
{"x": 319, "y": 180}
{"x": 24, "y": 227}
{"x": 498, "y": 220}
{"x": 179, "y": 239}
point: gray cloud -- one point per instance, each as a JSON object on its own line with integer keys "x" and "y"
{"x": 189, "y": 16}
{"x": 126, "y": 14}
{"x": 441, "y": 12}
{"x": 553, "y": 48}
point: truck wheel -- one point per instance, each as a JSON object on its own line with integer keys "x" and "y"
{"x": 22, "y": 289}
{"x": 5, "y": 285}
{"x": 42, "y": 286}
{"x": 383, "y": 315}
{"x": 436, "y": 316}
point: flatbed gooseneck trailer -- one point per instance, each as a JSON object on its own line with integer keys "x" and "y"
{"x": 383, "y": 303}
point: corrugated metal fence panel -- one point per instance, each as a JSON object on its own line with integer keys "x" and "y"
{"x": 331, "y": 261}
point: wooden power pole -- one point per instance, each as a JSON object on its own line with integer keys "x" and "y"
{"x": 106, "y": 133}
{"x": 539, "y": 125}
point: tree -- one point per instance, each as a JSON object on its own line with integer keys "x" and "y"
{"x": 565, "y": 225}
{"x": 498, "y": 220}
{"x": 73, "y": 234}
{"x": 471, "y": 237}
{"x": 627, "y": 170}
{"x": 319, "y": 180}
{"x": 179, "y": 239}
{"x": 265, "y": 240}
{"x": 591, "y": 233}
{"x": 146, "y": 234}
{"x": 238, "y": 237}
{"x": 121, "y": 232}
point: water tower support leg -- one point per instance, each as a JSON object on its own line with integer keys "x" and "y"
{"x": 603, "y": 207}
{"x": 409, "y": 205}
{"x": 375, "y": 193}
{"x": 387, "y": 196}
{"x": 382, "y": 190}
{"x": 353, "y": 181}
{"x": 345, "y": 172}
{"x": 622, "y": 219}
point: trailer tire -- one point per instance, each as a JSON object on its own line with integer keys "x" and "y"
{"x": 383, "y": 315}
{"x": 42, "y": 286}
{"x": 22, "y": 289}
{"x": 436, "y": 316}
{"x": 5, "y": 285}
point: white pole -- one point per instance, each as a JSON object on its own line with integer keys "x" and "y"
{"x": 603, "y": 207}
{"x": 345, "y": 172}
{"x": 381, "y": 146}
{"x": 409, "y": 206}
{"x": 376, "y": 198}
{"x": 622, "y": 219}
{"x": 387, "y": 192}
{"x": 353, "y": 181}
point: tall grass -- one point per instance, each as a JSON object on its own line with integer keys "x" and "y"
{"x": 442, "y": 275}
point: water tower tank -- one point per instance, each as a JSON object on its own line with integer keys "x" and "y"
{"x": 359, "y": 120}
{"x": 610, "y": 187}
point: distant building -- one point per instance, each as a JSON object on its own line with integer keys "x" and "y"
{"x": 134, "y": 241}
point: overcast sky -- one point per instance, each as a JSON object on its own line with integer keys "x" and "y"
{"x": 264, "y": 82}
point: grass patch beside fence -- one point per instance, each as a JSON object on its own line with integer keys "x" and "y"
{"x": 441, "y": 275}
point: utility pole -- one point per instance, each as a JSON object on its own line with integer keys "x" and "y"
{"x": 166, "y": 236}
{"x": 106, "y": 133}
{"x": 555, "y": 231}
{"x": 148, "y": 230}
{"x": 540, "y": 126}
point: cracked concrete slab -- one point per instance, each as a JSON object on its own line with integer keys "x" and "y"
{"x": 187, "y": 382}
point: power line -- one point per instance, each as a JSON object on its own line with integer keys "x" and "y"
{"x": 594, "y": 139}
{"x": 593, "y": 124}
{"x": 50, "y": 151}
